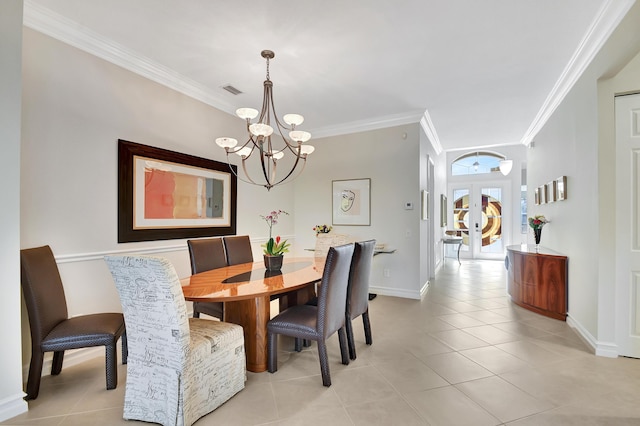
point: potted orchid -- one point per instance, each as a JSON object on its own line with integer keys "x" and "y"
{"x": 274, "y": 248}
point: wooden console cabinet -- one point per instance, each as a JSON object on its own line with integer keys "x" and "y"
{"x": 538, "y": 280}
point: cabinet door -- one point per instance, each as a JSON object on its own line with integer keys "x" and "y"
{"x": 551, "y": 294}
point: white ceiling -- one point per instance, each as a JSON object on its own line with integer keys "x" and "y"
{"x": 484, "y": 72}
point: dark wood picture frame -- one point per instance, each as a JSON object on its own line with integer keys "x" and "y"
{"x": 128, "y": 232}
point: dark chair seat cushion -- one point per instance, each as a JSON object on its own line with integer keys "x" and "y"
{"x": 297, "y": 321}
{"x": 84, "y": 331}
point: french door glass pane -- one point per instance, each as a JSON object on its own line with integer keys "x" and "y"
{"x": 461, "y": 215}
{"x": 491, "y": 221}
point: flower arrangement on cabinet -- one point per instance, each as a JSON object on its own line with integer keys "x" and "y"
{"x": 537, "y": 222}
{"x": 322, "y": 229}
{"x": 274, "y": 247}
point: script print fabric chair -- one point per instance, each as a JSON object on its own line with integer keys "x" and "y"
{"x": 51, "y": 328}
{"x": 179, "y": 368}
{"x": 358, "y": 292}
{"x": 309, "y": 322}
{"x": 238, "y": 249}
{"x": 205, "y": 255}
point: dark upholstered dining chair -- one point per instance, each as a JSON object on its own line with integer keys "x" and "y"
{"x": 317, "y": 322}
{"x": 238, "y": 249}
{"x": 358, "y": 292}
{"x": 51, "y": 328}
{"x": 205, "y": 255}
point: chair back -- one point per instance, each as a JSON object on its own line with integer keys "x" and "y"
{"x": 155, "y": 312}
{"x": 358, "y": 290}
{"x": 43, "y": 291}
{"x": 238, "y": 249}
{"x": 332, "y": 292}
{"x": 325, "y": 241}
{"x": 206, "y": 254}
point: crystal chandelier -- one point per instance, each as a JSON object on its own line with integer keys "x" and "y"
{"x": 260, "y": 144}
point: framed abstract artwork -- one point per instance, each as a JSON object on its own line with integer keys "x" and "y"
{"x": 165, "y": 195}
{"x": 351, "y": 202}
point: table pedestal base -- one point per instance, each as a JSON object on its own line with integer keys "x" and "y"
{"x": 252, "y": 315}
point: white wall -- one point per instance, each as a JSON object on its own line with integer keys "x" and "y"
{"x": 76, "y": 107}
{"x": 391, "y": 158}
{"x": 11, "y": 402}
{"x": 579, "y": 141}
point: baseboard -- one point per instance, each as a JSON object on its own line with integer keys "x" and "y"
{"x": 604, "y": 349}
{"x": 13, "y": 406}
{"x": 385, "y": 291}
{"x": 424, "y": 289}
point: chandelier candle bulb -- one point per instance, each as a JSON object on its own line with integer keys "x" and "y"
{"x": 260, "y": 129}
{"x": 299, "y": 136}
{"x": 226, "y": 142}
{"x": 243, "y": 152}
{"x": 293, "y": 119}
{"x": 307, "y": 149}
{"x": 247, "y": 113}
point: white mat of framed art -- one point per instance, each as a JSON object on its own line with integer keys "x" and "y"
{"x": 351, "y": 202}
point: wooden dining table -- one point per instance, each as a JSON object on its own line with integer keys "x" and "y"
{"x": 247, "y": 290}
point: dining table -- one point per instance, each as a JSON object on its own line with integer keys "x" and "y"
{"x": 247, "y": 290}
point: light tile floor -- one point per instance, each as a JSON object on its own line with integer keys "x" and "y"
{"x": 463, "y": 355}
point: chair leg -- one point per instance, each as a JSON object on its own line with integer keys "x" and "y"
{"x": 111, "y": 367}
{"x": 350, "y": 339}
{"x": 35, "y": 372}
{"x": 367, "y": 328}
{"x": 298, "y": 344}
{"x": 56, "y": 363}
{"x": 125, "y": 348}
{"x": 272, "y": 352}
{"x": 324, "y": 363}
{"x": 306, "y": 343}
{"x": 196, "y": 314}
{"x": 342, "y": 337}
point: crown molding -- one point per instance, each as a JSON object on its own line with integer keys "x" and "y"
{"x": 70, "y": 32}
{"x": 430, "y": 130}
{"x": 366, "y": 125}
{"x": 603, "y": 25}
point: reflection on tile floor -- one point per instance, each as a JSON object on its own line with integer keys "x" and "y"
{"x": 463, "y": 355}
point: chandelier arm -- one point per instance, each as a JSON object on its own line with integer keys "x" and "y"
{"x": 236, "y": 173}
{"x": 304, "y": 163}
{"x": 293, "y": 168}
{"x": 246, "y": 173}
{"x": 266, "y": 168}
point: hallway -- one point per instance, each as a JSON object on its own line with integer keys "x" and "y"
{"x": 463, "y": 355}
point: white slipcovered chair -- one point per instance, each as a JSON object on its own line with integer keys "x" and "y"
{"x": 328, "y": 240}
{"x": 179, "y": 368}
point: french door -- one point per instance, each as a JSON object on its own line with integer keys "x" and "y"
{"x": 477, "y": 216}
